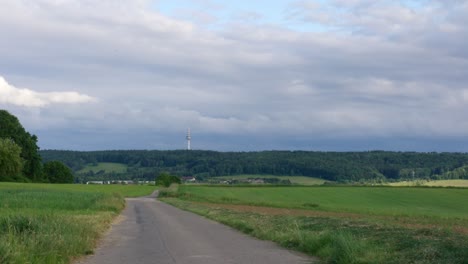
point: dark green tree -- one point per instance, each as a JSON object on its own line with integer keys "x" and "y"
{"x": 11, "y": 128}
{"x": 10, "y": 160}
{"x": 165, "y": 179}
{"x": 57, "y": 172}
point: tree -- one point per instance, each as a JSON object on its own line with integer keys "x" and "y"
{"x": 10, "y": 160}
{"x": 57, "y": 172}
{"x": 165, "y": 179}
{"x": 11, "y": 128}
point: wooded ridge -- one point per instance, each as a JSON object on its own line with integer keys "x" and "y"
{"x": 333, "y": 166}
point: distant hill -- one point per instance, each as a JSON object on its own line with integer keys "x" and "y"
{"x": 104, "y": 167}
{"x": 334, "y": 166}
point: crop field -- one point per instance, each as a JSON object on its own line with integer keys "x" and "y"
{"x": 45, "y": 223}
{"x": 448, "y": 183}
{"x": 438, "y": 183}
{"x": 294, "y": 179}
{"x": 343, "y": 224}
{"x": 106, "y": 167}
{"x": 123, "y": 190}
{"x": 435, "y": 202}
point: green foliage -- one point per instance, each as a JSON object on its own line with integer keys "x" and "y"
{"x": 105, "y": 167}
{"x": 367, "y": 167}
{"x": 11, "y": 128}
{"x": 165, "y": 179}
{"x": 57, "y": 172}
{"x": 10, "y": 160}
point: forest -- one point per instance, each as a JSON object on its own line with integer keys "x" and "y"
{"x": 19, "y": 157}
{"x": 370, "y": 166}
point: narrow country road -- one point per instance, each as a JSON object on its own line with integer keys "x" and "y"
{"x": 150, "y": 231}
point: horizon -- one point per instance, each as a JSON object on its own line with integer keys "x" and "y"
{"x": 254, "y": 151}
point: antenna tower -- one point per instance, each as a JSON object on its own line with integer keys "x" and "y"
{"x": 189, "y": 138}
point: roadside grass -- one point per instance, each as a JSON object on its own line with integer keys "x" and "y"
{"x": 43, "y": 223}
{"x": 406, "y": 230}
{"x": 294, "y": 179}
{"x": 105, "y": 166}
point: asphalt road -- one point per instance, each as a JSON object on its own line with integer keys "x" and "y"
{"x": 149, "y": 231}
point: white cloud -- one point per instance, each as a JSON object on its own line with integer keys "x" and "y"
{"x": 29, "y": 98}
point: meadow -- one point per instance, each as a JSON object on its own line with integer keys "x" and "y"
{"x": 438, "y": 183}
{"x": 104, "y": 166}
{"x": 343, "y": 224}
{"x": 45, "y": 223}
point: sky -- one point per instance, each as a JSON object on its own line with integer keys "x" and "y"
{"x": 336, "y": 75}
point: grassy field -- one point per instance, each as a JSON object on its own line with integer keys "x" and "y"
{"x": 343, "y": 224}
{"x": 123, "y": 190}
{"x": 106, "y": 167}
{"x": 435, "y": 202}
{"x": 448, "y": 183}
{"x": 294, "y": 179}
{"x": 45, "y": 223}
{"x": 439, "y": 183}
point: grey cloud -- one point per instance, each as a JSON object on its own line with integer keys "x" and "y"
{"x": 158, "y": 75}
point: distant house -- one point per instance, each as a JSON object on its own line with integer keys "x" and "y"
{"x": 258, "y": 181}
{"x": 122, "y": 182}
{"x": 188, "y": 179}
{"x": 146, "y": 182}
{"x": 94, "y": 182}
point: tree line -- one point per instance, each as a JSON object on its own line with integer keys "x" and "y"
{"x": 19, "y": 156}
{"x": 333, "y": 166}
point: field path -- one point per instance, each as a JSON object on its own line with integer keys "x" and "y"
{"x": 149, "y": 231}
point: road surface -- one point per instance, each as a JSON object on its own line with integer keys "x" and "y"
{"x": 149, "y": 231}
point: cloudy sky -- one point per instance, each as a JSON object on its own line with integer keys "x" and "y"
{"x": 243, "y": 75}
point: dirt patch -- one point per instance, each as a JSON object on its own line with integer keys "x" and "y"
{"x": 279, "y": 211}
{"x": 407, "y": 222}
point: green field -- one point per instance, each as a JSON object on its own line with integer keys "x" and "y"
{"x": 438, "y": 183}
{"x": 377, "y": 200}
{"x": 45, "y": 223}
{"x": 106, "y": 167}
{"x": 343, "y": 224}
{"x": 302, "y": 180}
{"x": 123, "y": 190}
{"x": 448, "y": 183}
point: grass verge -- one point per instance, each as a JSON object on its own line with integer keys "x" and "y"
{"x": 42, "y": 223}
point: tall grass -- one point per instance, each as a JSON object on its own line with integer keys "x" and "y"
{"x": 42, "y": 223}
{"x": 124, "y": 190}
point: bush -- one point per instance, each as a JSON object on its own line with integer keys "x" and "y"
{"x": 164, "y": 179}
{"x": 57, "y": 172}
{"x": 10, "y": 160}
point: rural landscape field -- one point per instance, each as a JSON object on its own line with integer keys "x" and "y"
{"x": 45, "y": 223}
{"x": 237, "y": 132}
{"x": 342, "y": 224}
{"x": 350, "y": 207}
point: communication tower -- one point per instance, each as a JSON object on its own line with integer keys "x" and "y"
{"x": 189, "y": 138}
